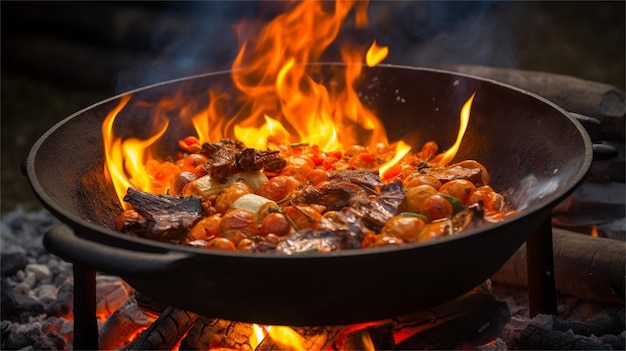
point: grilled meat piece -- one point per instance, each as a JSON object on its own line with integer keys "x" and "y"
{"x": 222, "y": 165}
{"x": 333, "y": 195}
{"x": 165, "y": 217}
{"x": 470, "y": 170}
{"x": 379, "y": 209}
{"x": 252, "y": 160}
{"x": 229, "y": 156}
{"x": 367, "y": 179}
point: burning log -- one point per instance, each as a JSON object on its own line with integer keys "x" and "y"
{"x": 472, "y": 319}
{"x": 378, "y": 337}
{"x": 589, "y": 268}
{"x": 310, "y": 338}
{"x": 111, "y": 293}
{"x": 199, "y": 336}
{"x": 122, "y": 325}
{"x": 165, "y": 332}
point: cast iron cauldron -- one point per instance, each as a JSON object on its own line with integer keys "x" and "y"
{"x": 534, "y": 152}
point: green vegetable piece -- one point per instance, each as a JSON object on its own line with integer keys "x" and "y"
{"x": 413, "y": 214}
{"x": 457, "y": 205}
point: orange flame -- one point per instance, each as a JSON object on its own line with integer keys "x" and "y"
{"x": 287, "y": 337}
{"x": 444, "y": 158}
{"x": 402, "y": 149}
{"x": 594, "y": 231}
{"x": 280, "y": 98}
{"x": 376, "y": 54}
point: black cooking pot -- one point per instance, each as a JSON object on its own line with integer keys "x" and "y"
{"x": 534, "y": 151}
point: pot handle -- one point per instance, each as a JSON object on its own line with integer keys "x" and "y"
{"x": 592, "y": 125}
{"x": 62, "y": 241}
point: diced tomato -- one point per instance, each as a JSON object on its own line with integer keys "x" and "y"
{"x": 364, "y": 160}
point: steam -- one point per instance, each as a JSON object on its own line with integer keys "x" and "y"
{"x": 533, "y": 189}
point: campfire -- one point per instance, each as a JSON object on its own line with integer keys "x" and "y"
{"x": 283, "y": 101}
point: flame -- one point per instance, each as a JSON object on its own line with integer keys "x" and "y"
{"x": 287, "y": 337}
{"x": 279, "y": 97}
{"x": 271, "y": 72}
{"x": 402, "y": 149}
{"x": 127, "y": 162}
{"x": 368, "y": 344}
{"x": 258, "y": 334}
{"x": 594, "y": 231}
{"x": 376, "y": 54}
{"x": 444, "y": 158}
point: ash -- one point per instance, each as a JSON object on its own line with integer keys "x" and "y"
{"x": 37, "y": 287}
{"x": 37, "y": 301}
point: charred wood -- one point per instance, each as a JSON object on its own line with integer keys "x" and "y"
{"x": 200, "y": 335}
{"x": 122, "y": 325}
{"x": 472, "y": 319}
{"x": 111, "y": 293}
{"x": 608, "y": 323}
{"x": 545, "y": 332}
{"x": 311, "y": 338}
{"x": 602, "y": 101}
{"x": 585, "y": 267}
{"x": 149, "y": 305}
{"x": 378, "y": 337}
{"x": 165, "y": 332}
{"x": 228, "y": 335}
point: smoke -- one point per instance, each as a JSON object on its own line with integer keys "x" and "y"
{"x": 187, "y": 38}
{"x": 445, "y": 33}
{"x": 197, "y": 37}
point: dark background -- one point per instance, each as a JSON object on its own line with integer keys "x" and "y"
{"x": 60, "y": 57}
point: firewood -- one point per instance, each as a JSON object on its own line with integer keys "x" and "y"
{"x": 311, "y": 338}
{"x": 602, "y": 101}
{"x": 469, "y": 320}
{"x": 122, "y": 325}
{"x": 213, "y": 333}
{"x": 199, "y": 335}
{"x": 589, "y": 268}
{"x": 377, "y": 337}
{"x": 111, "y": 293}
{"x": 165, "y": 332}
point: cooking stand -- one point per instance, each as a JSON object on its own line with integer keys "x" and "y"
{"x": 541, "y": 288}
